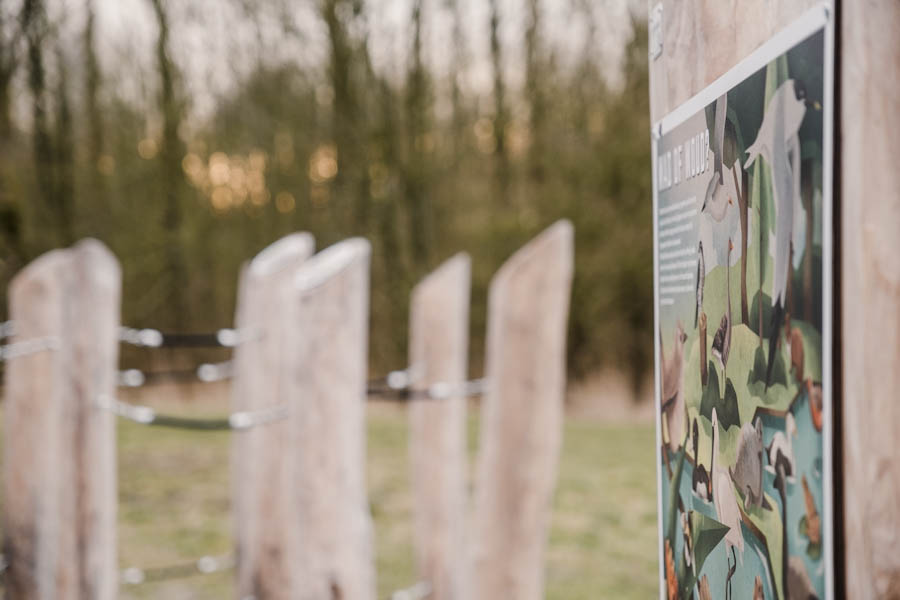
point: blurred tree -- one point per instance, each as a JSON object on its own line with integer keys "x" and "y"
{"x": 419, "y": 144}
{"x": 170, "y": 153}
{"x": 64, "y": 150}
{"x": 34, "y": 28}
{"x": 501, "y": 118}
{"x": 347, "y": 124}
{"x": 419, "y": 159}
{"x": 93, "y": 116}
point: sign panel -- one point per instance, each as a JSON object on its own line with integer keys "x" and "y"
{"x": 742, "y": 210}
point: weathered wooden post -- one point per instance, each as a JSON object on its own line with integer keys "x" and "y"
{"x": 522, "y": 417}
{"x": 870, "y": 294}
{"x": 263, "y": 484}
{"x": 328, "y": 386}
{"x": 59, "y": 474}
{"x": 439, "y": 340}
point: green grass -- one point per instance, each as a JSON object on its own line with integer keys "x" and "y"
{"x": 174, "y": 506}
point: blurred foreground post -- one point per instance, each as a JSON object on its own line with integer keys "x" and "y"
{"x": 266, "y": 527}
{"x": 439, "y": 341}
{"x": 870, "y": 294}
{"x": 522, "y": 416}
{"x": 59, "y": 473}
{"x": 330, "y": 324}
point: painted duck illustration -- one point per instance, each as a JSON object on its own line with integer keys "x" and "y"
{"x": 721, "y": 345}
{"x": 778, "y": 143}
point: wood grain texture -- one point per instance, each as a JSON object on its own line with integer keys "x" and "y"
{"x": 439, "y": 343}
{"x": 702, "y": 39}
{"x": 266, "y": 529}
{"x": 522, "y": 417}
{"x": 59, "y": 449}
{"x": 329, "y": 429}
{"x": 870, "y": 222}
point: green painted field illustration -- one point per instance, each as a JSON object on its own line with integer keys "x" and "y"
{"x": 740, "y": 311}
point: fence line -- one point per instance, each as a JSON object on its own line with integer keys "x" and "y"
{"x": 299, "y": 493}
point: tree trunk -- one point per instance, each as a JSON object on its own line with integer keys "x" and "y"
{"x": 92, "y": 108}
{"x": 500, "y": 115}
{"x": 534, "y": 91}
{"x": 34, "y": 26}
{"x": 65, "y": 157}
{"x": 416, "y": 180}
{"x": 170, "y": 157}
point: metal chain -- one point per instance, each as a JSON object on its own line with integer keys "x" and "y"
{"x": 238, "y": 421}
{"x": 154, "y": 338}
{"x": 205, "y": 373}
{"x": 442, "y": 390}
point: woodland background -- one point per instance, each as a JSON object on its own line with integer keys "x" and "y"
{"x": 426, "y": 150}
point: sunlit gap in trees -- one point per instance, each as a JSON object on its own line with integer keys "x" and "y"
{"x": 237, "y": 181}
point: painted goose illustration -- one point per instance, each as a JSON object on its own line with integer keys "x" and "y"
{"x": 721, "y": 345}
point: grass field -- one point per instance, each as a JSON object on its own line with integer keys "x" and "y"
{"x": 174, "y": 506}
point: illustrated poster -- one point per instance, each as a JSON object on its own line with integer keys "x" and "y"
{"x": 742, "y": 197}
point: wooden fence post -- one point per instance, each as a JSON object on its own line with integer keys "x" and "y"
{"x": 439, "y": 340}
{"x": 59, "y": 473}
{"x": 522, "y": 416}
{"x": 870, "y": 295}
{"x": 262, "y": 483}
{"x": 329, "y": 350}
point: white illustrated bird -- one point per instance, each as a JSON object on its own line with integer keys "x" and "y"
{"x": 778, "y": 143}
